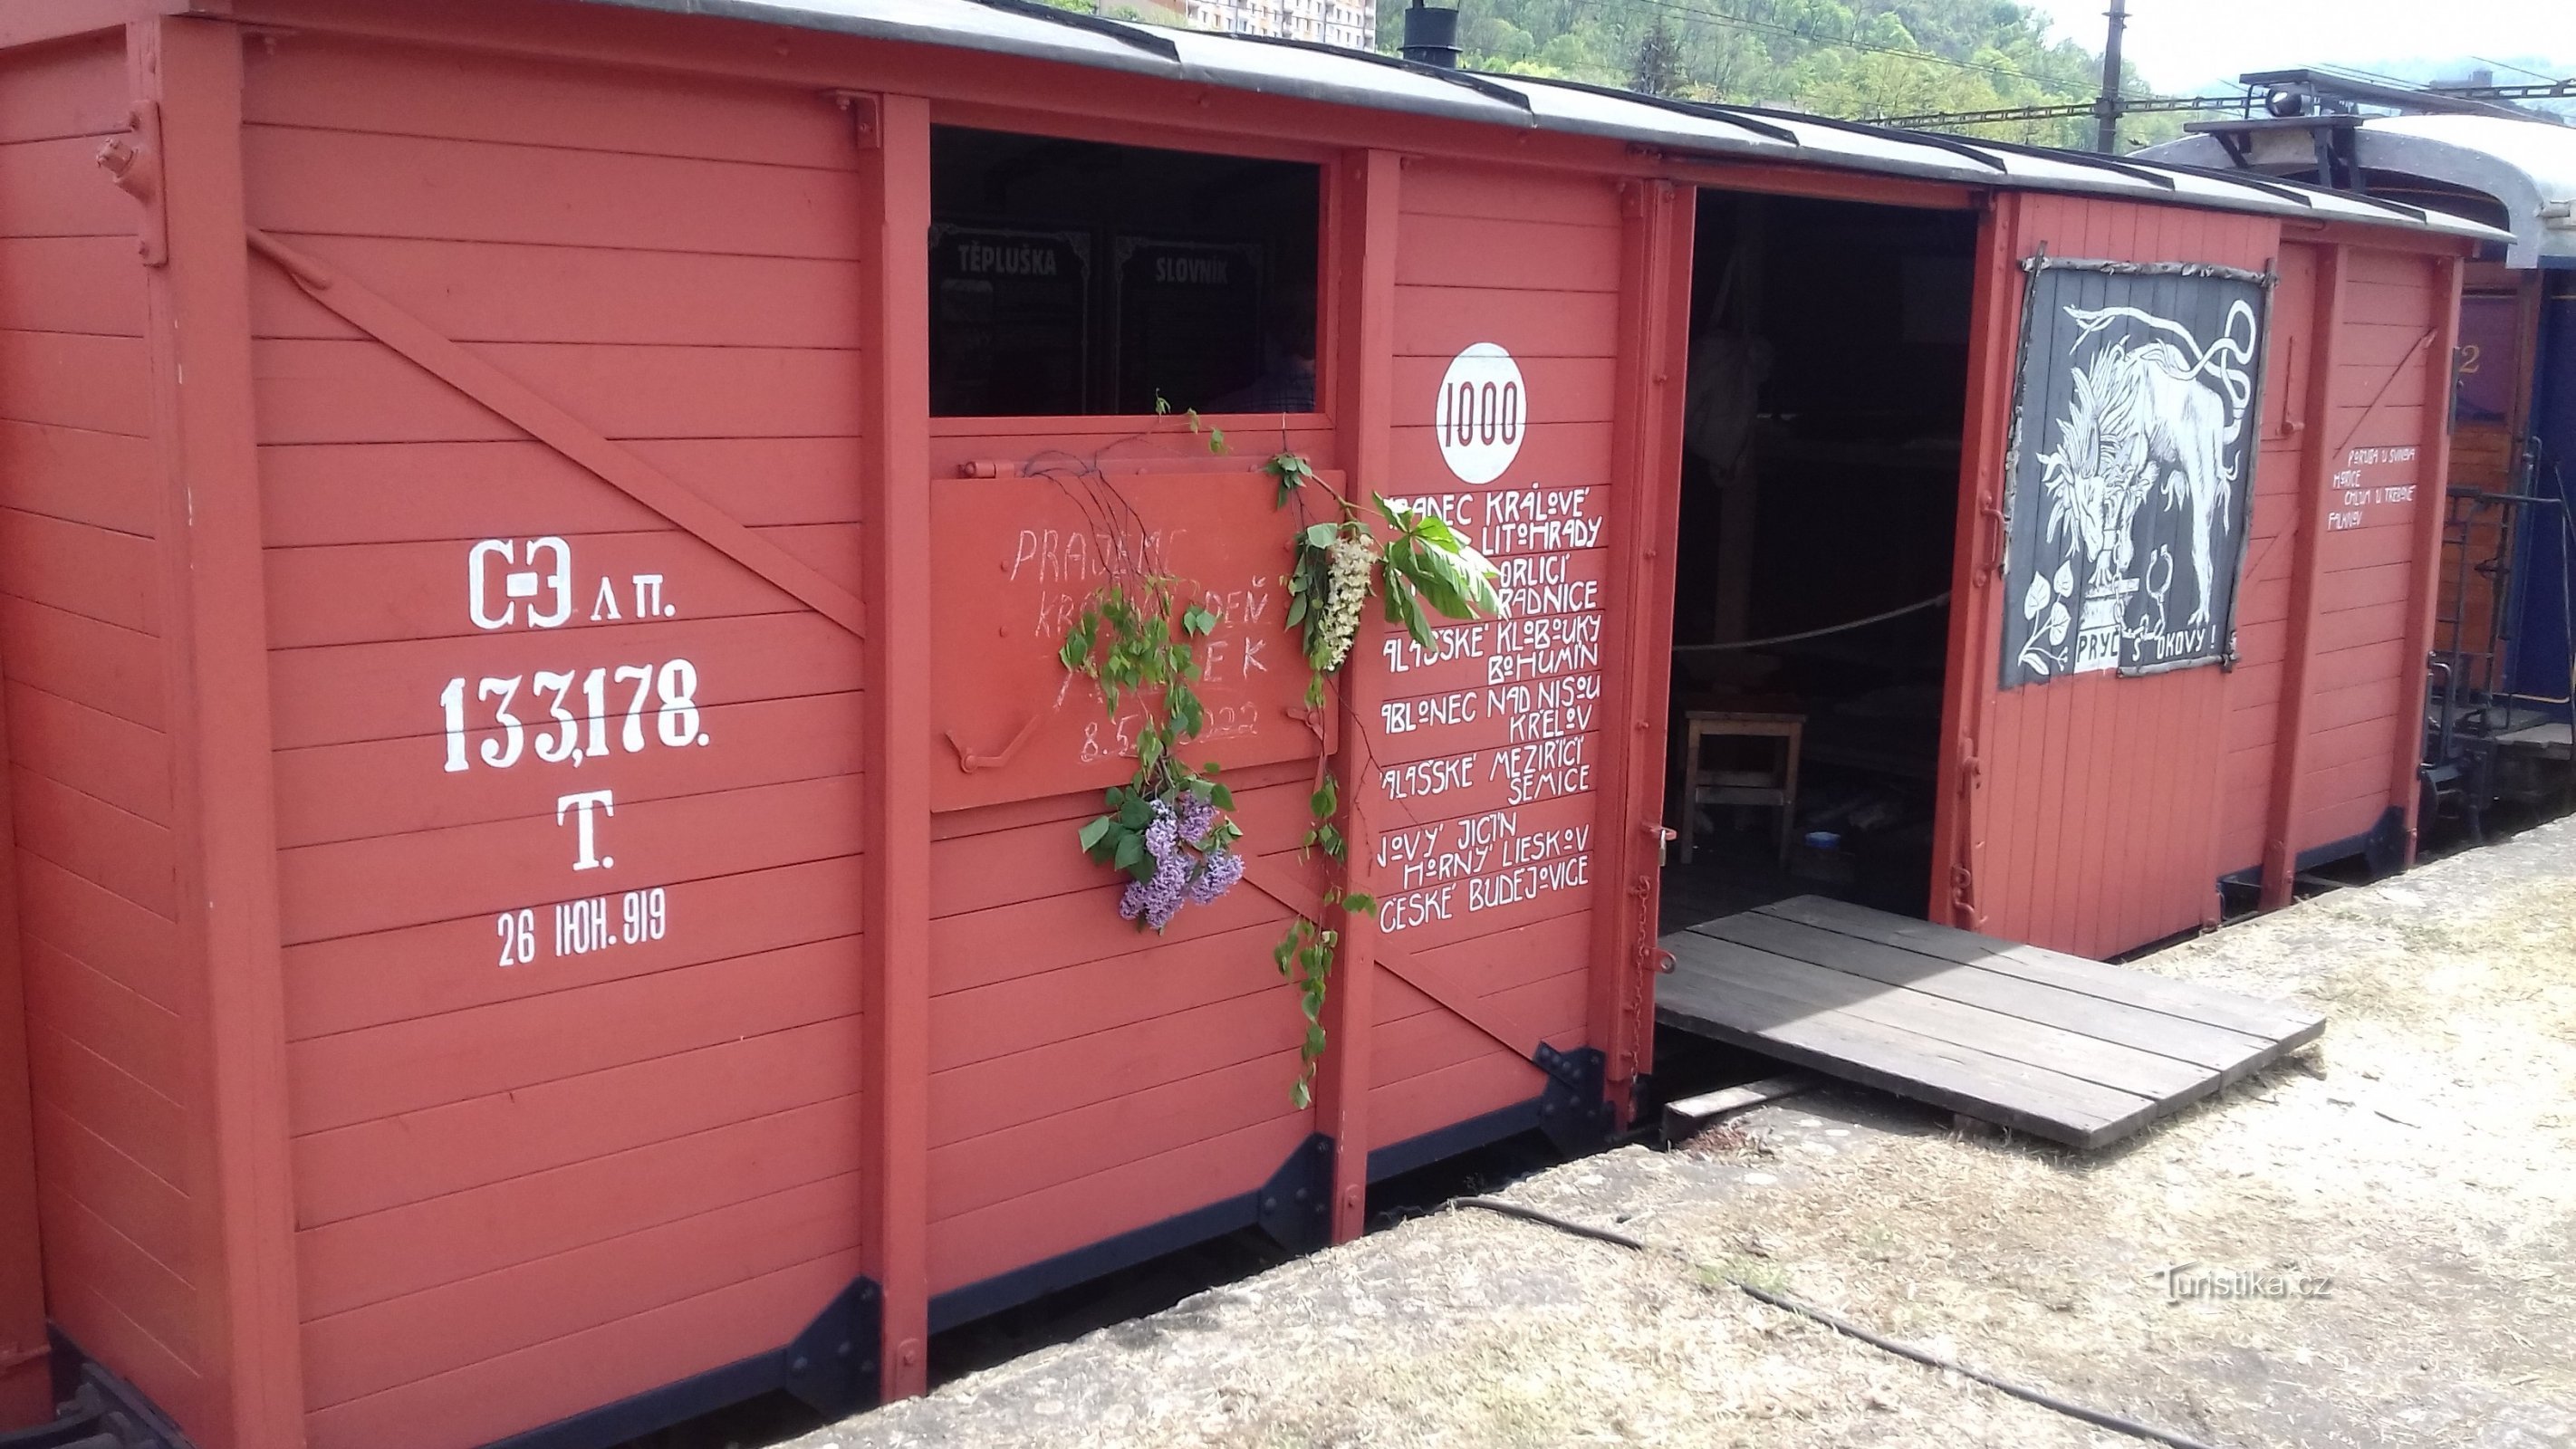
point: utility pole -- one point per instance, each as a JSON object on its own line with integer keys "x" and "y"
{"x": 2107, "y": 139}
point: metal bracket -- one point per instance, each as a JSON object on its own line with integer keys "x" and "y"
{"x": 133, "y": 162}
{"x": 832, "y": 1365}
{"x": 1296, "y": 1205}
{"x": 1574, "y": 1111}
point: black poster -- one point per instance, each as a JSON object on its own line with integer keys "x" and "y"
{"x": 2132, "y": 466}
{"x": 1189, "y": 323}
{"x": 1010, "y": 322}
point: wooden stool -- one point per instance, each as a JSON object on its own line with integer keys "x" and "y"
{"x": 1775, "y": 791}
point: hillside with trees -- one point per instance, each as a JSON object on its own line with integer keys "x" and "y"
{"x": 1862, "y": 59}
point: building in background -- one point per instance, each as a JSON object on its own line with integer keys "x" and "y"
{"x": 1334, "y": 22}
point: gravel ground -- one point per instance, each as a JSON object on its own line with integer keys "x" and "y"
{"x": 2403, "y": 1195}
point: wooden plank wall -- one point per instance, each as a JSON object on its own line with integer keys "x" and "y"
{"x": 111, "y": 1020}
{"x": 2102, "y": 801}
{"x": 2263, "y": 595}
{"x": 1486, "y": 788}
{"x": 534, "y": 1181}
{"x": 2366, "y": 689}
{"x": 1088, "y": 1079}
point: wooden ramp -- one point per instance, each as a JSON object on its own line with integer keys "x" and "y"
{"x": 2056, "y": 1046}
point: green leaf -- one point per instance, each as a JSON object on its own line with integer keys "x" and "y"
{"x": 1321, "y": 535}
{"x": 1093, "y": 833}
{"x": 1221, "y": 797}
{"x": 1131, "y": 849}
{"x": 1314, "y": 1041}
{"x": 1360, "y": 903}
{"x": 1216, "y": 440}
{"x": 1198, "y": 620}
{"x": 1326, "y": 800}
{"x": 1299, "y": 1097}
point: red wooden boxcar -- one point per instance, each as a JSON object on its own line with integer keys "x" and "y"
{"x": 544, "y": 887}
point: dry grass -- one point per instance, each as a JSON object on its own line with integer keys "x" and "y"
{"x": 2421, "y": 1158}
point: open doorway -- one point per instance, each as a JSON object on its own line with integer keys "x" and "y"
{"x": 1819, "y": 496}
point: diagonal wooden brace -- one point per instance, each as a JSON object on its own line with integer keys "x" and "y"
{"x": 514, "y": 403}
{"x": 1449, "y": 995}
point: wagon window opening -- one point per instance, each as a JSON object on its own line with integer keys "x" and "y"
{"x": 1073, "y": 278}
{"x": 1825, "y": 407}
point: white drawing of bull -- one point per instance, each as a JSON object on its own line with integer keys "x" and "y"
{"x": 2144, "y": 415}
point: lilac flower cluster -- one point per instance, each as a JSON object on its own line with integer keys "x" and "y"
{"x": 1186, "y": 868}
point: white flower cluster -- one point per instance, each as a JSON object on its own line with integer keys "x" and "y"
{"x": 1345, "y": 589}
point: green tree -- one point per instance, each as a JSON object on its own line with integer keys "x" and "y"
{"x": 1659, "y": 62}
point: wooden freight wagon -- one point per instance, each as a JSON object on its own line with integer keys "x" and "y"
{"x": 535, "y": 541}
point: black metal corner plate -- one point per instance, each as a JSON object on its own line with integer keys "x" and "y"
{"x": 2384, "y": 848}
{"x": 1574, "y": 1111}
{"x": 1295, "y": 1206}
{"x": 832, "y": 1365}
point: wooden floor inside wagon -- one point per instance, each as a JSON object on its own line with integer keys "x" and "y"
{"x": 2063, "y": 1048}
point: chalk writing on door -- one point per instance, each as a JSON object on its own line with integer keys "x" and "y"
{"x": 2350, "y": 495}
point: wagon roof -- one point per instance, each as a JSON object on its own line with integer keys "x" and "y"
{"x": 1386, "y": 83}
{"x": 2528, "y": 166}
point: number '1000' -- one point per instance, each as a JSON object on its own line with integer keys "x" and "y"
{"x": 569, "y": 738}
{"x": 1474, "y": 413}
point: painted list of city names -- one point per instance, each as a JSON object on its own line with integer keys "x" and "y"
{"x": 1485, "y": 744}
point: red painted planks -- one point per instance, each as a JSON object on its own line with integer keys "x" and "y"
{"x": 53, "y": 188}
{"x": 73, "y": 380}
{"x": 1441, "y": 322}
{"x": 112, "y": 848}
{"x": 94, "y": 478}
{"x": 329, "y": 793}
{"x": 999, "y": 1093}
{"x": 350, "y": 887}
{"x": 114, "y": 670}
{"x": 1506, "y": 193}
{"x": 112, "y": 1102}
{"x": 1026, "y": 1229}
{"x": 341, "y": 693}
{"x": 354, "y": 982}
{"x": 423, "y": 1062}
{"x": 356, "y": 594}
{"x": 347, "y": 183}
{"x": 88, "y": 284}
{"x": 332, "y": 84}
{"x": 81, "y": 569}
{"x": 403, "y": 1340}
{"x": 1006, "y": 943}
{"x": 130, "y": 1199}
{"x": 360, "y": 392}
{"x": 122, "y": 941}
{"x": 463, "y": 492}
{"x": 569, "y": 294}
{"x": 388, "y": 1163}
{"x": 382, "y": 1255}
{"x": 1034, "y": 1010}
{"x": 1554, "y": 453}
{"x": 115, "y": 761}
{"x": 1451, "y": 251}
{"x": 76, "y": 88}
{"x": 616, "y": 1360}
{"x": 1136, "y": 1124}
